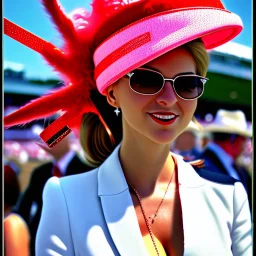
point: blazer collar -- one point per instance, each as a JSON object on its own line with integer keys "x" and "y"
{"x": 118, "y": 208}
{"x": 111, "y": 178}
{"x": 187, "y": 176}
{"x": 117, "y": 204}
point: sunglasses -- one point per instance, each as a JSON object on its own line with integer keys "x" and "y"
{"x": 149, "y": 82}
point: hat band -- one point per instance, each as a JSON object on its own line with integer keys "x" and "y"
{"x": 148, "y": 38}
{"x": 122, "y": 51}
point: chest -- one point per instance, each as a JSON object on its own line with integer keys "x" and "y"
{"x": 122, "y": 231}
{"x": 165, "y": 221}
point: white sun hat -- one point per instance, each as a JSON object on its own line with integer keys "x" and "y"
{"x": 227, "y": 121}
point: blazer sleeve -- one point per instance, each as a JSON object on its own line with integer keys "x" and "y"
{"x": 54, "y": 233}
{"x": 242, "y": 225}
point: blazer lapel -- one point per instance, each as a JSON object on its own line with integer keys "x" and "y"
{"x": 118, "y": 208}
{"x": 189, "y": 184}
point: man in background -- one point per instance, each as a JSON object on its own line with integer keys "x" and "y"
{"x": 229, "y": 133}
{"x": 65, "y": 162}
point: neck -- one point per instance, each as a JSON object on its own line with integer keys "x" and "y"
{"x": 59, "y": 156}
{"x": 146, "y": 164}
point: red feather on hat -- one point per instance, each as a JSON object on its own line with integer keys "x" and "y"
{"x": 74, "y": 61}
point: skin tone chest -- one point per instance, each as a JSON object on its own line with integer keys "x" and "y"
{"x": 167, "y": 226}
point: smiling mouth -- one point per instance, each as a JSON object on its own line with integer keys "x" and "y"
{"x": 163, "y": 119}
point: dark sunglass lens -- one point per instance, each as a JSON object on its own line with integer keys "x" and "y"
{"x": 146, "y": 82}
{"x": 189, "y": 87}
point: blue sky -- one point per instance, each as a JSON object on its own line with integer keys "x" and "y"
{"x": 30, "y": 15}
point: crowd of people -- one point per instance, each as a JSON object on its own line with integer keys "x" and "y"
{"x": 24, "y": 209}
{"x": 155, "y": 180}
{"x": 226, "y": 150}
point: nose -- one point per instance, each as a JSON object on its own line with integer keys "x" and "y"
{"x": 166, "y": 97}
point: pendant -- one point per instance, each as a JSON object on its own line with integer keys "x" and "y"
{"x": 153, "y": 219}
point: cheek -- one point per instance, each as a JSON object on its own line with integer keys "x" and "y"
{"x": 190, "y": 105}
{"x": 132, "y": 103}
{"x": 187, "y": 108}
{"x": 133, "y": 107}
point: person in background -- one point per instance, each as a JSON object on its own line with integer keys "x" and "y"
{"x": 16, "y": 233}
{"x": 188, "y": 143}
{"x": 245, "y": 159}
{"x": 13, "y": 164}
{"x": 65, "y": 161}
{"x": 206, "y": 137}
{"x": 229, "y": 134}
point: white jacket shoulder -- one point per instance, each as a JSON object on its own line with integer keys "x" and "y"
{"x": 54, "y": 233}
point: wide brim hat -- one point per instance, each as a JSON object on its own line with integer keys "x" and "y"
{"x": 86, "y": 73}
{"x": 151, "y": 37}
{"x": 231, "y": 122}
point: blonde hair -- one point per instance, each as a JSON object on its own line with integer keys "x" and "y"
{"x": 94, "y": 138}
{"x": 197, "y": 50}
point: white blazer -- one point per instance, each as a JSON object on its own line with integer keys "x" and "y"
{"x": 93, "y": 214}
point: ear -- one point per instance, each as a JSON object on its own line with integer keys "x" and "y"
{"x": 112, "y": 96}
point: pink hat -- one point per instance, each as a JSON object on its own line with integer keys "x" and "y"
{"x": 149, "y": 38}
{"x": 80, "y": 65}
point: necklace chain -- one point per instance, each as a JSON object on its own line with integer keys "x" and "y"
{"x": 146, "y": 220}
{"x": 155, "y": 215}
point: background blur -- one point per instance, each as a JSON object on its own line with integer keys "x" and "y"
{"x": 27, "y": 76}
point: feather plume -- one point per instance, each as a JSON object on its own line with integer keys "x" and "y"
{"x": 61, "y": 21}
{"x": 49, "y": 104}
{"x": 74, "y": 60}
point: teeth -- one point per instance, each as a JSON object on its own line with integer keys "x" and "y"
{"x": 164, "y": 116}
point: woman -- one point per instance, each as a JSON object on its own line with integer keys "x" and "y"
{"x": 16, "y": 233}
{"x": 148, "y": 59}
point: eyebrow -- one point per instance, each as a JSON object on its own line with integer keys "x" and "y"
{"x": 182, "y": 73}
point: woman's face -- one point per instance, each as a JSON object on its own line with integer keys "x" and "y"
{"x": 137, "y": 110}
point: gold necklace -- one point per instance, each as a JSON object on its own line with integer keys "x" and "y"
{"x": 155, "y": 215}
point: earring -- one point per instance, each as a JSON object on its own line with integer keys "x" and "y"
{"x": 117, "y": 111}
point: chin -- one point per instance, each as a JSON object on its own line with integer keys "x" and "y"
{"x": 163, "y": 137}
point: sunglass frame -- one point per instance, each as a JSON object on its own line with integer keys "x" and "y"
{"x": 168, "y": 79}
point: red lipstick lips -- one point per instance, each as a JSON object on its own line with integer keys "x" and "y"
{"x": 163, "y": 118}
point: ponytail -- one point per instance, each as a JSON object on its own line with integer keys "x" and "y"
{"x": 95, "y": 140}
